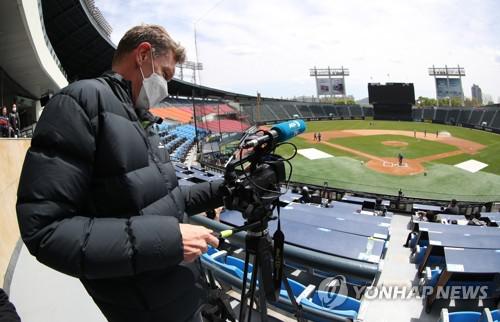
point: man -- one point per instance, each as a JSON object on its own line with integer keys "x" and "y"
{"x": 400, "y": 159}
{"x": 319, "y": 136}
{"x": 96, "y": 202}
{"x": 5, "y": 128}
{"x": 452, "y": 208}
{"x": 306, "y": 196}
{"x": 15, "y": 122}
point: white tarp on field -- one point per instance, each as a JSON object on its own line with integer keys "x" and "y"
{"x": 314, "y": 154}
{"x": 471, "y": 166}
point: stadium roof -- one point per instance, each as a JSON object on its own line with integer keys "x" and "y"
{"x": 81, "y": 44}
{"x": 183, "y": 88}
{"x": 22, "y": 61}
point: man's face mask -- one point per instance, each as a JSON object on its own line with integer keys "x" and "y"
{"x": 154, "y": 89}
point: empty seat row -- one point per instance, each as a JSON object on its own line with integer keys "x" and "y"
{"x": 331, "y": 303}
{"x": 470, "y": 316}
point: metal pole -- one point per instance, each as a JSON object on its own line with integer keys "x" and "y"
{"x": 435, "y": 84}
{"x": 330, "y": 82}
{"x": 258, "y": 107}
{"x": 316, "y": 78}
{"x": 195, "y": 124}
{"x": 448, "y": 84}
{"x": 196, "y": 53}
{"x": 218, "y": 117}
{"x": 461, "y": 87}
{"x": 343, "y": 84}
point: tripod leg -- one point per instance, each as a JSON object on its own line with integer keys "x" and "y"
{"x": 253, "y": 285}
{"x": 298, "y": 307}
{"x": 262, "y": 300}
{"x": 244, "y": 287}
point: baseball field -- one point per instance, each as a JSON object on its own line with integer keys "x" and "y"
{"x": 422, "y": 159}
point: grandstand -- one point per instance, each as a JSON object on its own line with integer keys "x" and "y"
{"x": 347, "y": 240}
{"x": 485, "y": 118}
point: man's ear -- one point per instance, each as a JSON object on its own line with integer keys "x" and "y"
{"x": 142, "y": 52}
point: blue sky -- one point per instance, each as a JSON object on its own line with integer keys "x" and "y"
{"x": 269, "y": 45}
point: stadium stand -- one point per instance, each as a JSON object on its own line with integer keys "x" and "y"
{"x": 452, "y": 116}
{"x": 224, "y": 126}
{"x": 428, "y": 113}
{"x": 440, "y": 115}
{"x": 455, "y": 255}
{"x": 304, "y": 110}
{"x": 174, "y": 114}
{"x": 356, "y": 111}
{"x": 317, "y": 111}
{"x": 488, "y": 116}
{"x": 278, "y": 110}
{"x": 344, "y": 112}
{"x": 476, "y": 117}
{"x": 331, "y": 111}
{"x": 309, "y": 297}
{"x": 418, "y": 114}
{"x": 495, "y": 123}
{"x": 178, "y": 140}
{"x": 484, "y": 118}
{"x": 464, "y": 116}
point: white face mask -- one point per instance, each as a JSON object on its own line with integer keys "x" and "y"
{"x": 154, "y": 89}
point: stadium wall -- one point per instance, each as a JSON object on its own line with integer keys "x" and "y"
{"x": 12, "y": 158}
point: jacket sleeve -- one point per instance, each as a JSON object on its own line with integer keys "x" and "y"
{"x": 7, "y": 309}
{"x": 202, "y": 197}
{"x": 54, "y": 184}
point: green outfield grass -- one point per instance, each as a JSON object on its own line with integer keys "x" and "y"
{"x": 442, "y": 180}
{"x": 416, "y": 148}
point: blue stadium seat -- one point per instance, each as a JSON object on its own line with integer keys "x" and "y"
{"x": 466, "y": 316}
{"x": 495, "y": 315}
{"x": 346, "y": 306}
{"x": 431, "y": 276}
{"x": 220, "y": 258}
{"x": 419, "y": 255}
{"x": 413, "y": 241}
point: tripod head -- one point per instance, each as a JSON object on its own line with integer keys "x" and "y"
{"x": 257, "y": 189}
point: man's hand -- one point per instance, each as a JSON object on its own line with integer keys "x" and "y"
{"x": 195, "y": 241}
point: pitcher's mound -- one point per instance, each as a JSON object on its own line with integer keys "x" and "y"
{"x": 395, "y": 143}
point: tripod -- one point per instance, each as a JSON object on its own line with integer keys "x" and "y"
{"x": 259, "y": 248}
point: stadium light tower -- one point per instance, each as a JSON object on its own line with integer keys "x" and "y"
{"x": 330, "y": 81}
{"x": 191, "y": 65}
{"x": 448, "y": 82}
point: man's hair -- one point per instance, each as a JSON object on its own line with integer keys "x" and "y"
{"x": 156, "y": 35}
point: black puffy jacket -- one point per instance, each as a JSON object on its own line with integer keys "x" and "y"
{"x": 96, "y": 202}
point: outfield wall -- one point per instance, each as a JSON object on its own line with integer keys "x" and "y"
{"x": 12, "y": 158}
